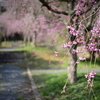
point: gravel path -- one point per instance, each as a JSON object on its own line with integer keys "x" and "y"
{"x": 11, "y": 77}
{"x": 9, "y": 49}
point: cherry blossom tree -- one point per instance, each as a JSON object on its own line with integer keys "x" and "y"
{"x": 29, "y": 20}
{"x": 82, "y": 26}
{"x": 23, "y": 17}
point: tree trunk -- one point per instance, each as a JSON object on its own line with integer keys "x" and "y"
{"x": 72, "y": 68}
{"x": 34, "y": 39}
{"x": 92, "y": 55}
{"x": 0, "y": 44}
{"x": 0, "y": 40}
{"x": 25, "y": 38}
{"x": 28, "y": 40}
{"x": 35, "y": 43}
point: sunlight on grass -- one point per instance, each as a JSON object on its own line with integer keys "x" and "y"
{"x": 50, "y": 87}
{"x": 39, "y": 57}
{"x": 26, "y": 48}
{"x": 6, "y": 44}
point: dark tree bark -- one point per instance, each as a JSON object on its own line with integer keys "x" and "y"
{"x": 28, "y": 40}
{"x": 92, "y": 55}
{"x": 72, "y": 68}
{"x": 34, "y": 39}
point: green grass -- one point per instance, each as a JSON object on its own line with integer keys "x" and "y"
{"x": 39, "y": 57}
{"x": 19, "y": 98}
{"x": 25, "y": 48}
{"x": 50, "y": 87}
{"x": 6, "y": 44}
{"x": 31, "y": 48}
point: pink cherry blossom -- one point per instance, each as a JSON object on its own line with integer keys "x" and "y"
{"x": 91, "y": 85}
{"x": 82, "y": 58}
{"x": 56, "y": 53}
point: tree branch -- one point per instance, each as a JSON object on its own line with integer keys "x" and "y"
{"x": 53, "y": 10}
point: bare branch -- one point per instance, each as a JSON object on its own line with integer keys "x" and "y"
{"x": 53, "y": 10}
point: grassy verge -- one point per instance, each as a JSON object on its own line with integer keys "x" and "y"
{"x": 50, "y": 87}
{"x": 30, "y": 48}
{"x": 6, "y": 44}
{"x": 39, "y": 58}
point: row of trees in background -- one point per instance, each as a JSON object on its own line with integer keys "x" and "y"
{"x": 27, "y": 18}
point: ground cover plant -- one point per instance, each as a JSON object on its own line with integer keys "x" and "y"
{"x": 49, "y": 85}
{"x": 39, "y": 58}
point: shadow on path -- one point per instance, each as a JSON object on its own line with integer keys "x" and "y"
{"x": 11, "y": 77}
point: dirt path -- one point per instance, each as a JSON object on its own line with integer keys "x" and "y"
{"x": 14, "y": 82}
{"x": 11, "y": 77}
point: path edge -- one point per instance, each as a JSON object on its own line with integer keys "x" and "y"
{"x": 33, "y": 85}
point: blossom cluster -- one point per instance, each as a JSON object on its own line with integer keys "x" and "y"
{"x": 81, "y": 6}
{"x": 93, "y": 41}
{"x": 72, "y": 30}
{"x": 56, "y": 53}
{"x": 90, "y": 77}
{"x": 96, "y": 29}
{"x": 69, "y": 44}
